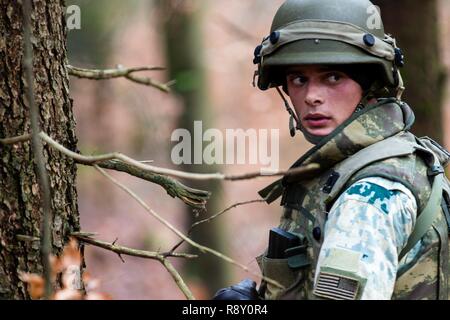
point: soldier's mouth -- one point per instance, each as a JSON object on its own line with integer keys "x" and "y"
{"x": 316, "y": 120}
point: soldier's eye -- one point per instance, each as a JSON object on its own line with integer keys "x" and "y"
{"x": 297, "y": 80}
{"x": 334, "y": 77}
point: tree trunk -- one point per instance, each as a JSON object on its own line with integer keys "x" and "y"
{"x": 414, "y": 24}
{"x": 20, "y": 204}
{"x": 186, "y": 65}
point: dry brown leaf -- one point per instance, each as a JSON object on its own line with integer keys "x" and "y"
{"x": 35, "y": 284}
{"x": 71, "y": 255}
{"x": 68, "y": 265}
{"x": 67, "y": 294}
{"x": 90, "y": 283}
{"x": 97, "y": 296}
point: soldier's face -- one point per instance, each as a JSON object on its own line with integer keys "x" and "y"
{"x": 323, "y": 98}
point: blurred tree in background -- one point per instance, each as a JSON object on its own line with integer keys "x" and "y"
{"x": 92, "y": 47}
{"x": 415, "y": 25}
{"x": 182, "y": 25}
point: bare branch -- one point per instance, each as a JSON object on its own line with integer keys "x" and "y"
{"x": 180, "y": 234}
{"x": 26, "y": 238}
{"x": 225, "y": 210}
{"x": 13, "y": 140}
{"x": 194, "y": 198}
{"x": 143, "y": 254}
{"x": 90, "y": 160}
{"x": 86, "y": 237}
{"x": 170, "y": 172}
{"x": 37, "y": 149}
{"x": 149, "y": 82}
{"x": 308, "y": 169}
{"x": 84, "y": 234}
{"x": 127, "y": 73}
{"x": 120, "y": 257}
{"x": 213, "y": 217}
{"x": 178, "y": 279}
{"x": 98, "y": 74}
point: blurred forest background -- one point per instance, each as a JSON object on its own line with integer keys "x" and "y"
{"x": 207, "y": 47}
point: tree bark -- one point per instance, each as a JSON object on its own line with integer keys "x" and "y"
{"x": 20, "y": 204}
{"x": 414, "y": 24}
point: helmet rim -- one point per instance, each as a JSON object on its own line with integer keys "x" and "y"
{"x": 314, "y": 52}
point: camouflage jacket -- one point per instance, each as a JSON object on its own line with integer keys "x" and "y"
{"x": 379, "y": 136}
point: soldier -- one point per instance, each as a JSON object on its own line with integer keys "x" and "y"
{"x": 372, "y": 222}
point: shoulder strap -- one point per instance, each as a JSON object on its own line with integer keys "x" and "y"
{"x": 428, "y": 214}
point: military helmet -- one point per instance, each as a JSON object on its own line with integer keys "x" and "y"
{"x": 344, "y": 32}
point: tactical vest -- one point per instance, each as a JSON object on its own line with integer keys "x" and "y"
{"x": 372, "y": 143}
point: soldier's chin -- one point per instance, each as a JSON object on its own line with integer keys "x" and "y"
{"x": 320, "y": 132}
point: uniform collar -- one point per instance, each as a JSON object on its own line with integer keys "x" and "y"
{"x": 364, "y": 128}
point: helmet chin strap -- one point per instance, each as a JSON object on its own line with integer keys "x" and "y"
{"x": 292, "y": 116}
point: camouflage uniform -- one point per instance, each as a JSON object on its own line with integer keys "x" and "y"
{"x": 353, "y": 233}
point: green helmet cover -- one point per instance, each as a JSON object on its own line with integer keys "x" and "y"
{"x": 328, "y": 32}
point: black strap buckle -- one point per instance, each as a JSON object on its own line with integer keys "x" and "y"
{"x": 334, "y": 176}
